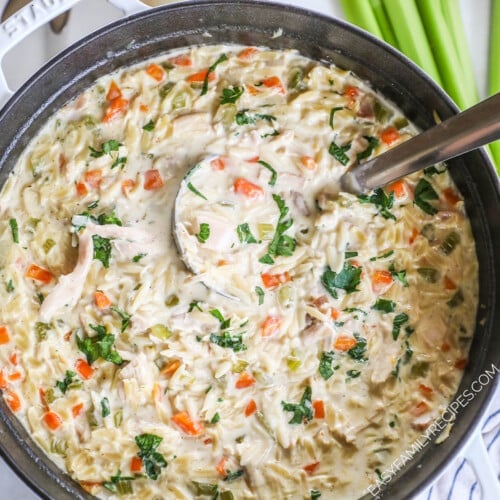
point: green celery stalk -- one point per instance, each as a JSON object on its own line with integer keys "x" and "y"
{"x": 494, "y": 68}
{"x": 383, "y": 22}
{"x": 452, "y": 15}
{"x": 359, "y": 12}
{"x": 410, "y": 34}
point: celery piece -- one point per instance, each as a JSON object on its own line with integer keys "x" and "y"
{"x": 494, "y": 68}
{"x": 410, "y": 35}
{"x": 443, "y": 47}
{"x": 161, "y": 331}
{"x": 359, "y": 12}
{"x": 383, "y": 22}
{"x": 265, "y": 231}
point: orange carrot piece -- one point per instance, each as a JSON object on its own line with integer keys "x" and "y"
{"x": 451, "y": 196}
{"x": 182, "y": 60}
{"x": 244, "y": 380}
{"x": 187, "y": 425}
{"x": 13, "y": 358}
{"x": 319, "y": 408}
{"x": 352, "y": 93}
{"x": 156, "y": 72}
{"x": 413, "y": 236}
{"x": 84, "y": 369}
{"x": 381, "y": 280}
{"x": 101, "y": 300}
{"x": 93, "y": 177}
{"x": 461, "y": 363}
{"x": 15, "y": 376}
{"x": 114, "y": 91}
{"x": 221, "y": 467}
{"x": 274, "y": 280}
{"x": 12, "y": 399}
{"x": 52, "y": 420}
{"x": 247, "y": 53}
{"x": 252, "y": 90}
{"x": 308, "y": 162}
{"x": 152, "y": 180}
{"x": 199, "y": 77}
{"x": 247, "y": 188}
{"x": 39, "y": 274}
{"x": 218, "y": 164}
{"x": 127, "y": 185}
{"x": 271, "y": 325}
{"x": 41, "y": 394}
{"x": 399, "y": 188}
{"x": 311, "y": 468}
{"x": 344, "y": 343}
{"x": 389, "y": 135}
{"x": 77, "y": 409}
{"x": 136, "y": 464}
{"x": 144, "y": 108}
{"x": 425, "y": 390}
{"x": 334, "y": 313}
{"x": 251, "y": 408}
{"x": 81, "y": 189}
{"x": 3, "y": 381}
{"x": 449, "y": 284}
{"x": 171, "y": 367}
{"x": 89, "y": 486}
{"x": 115, "y": 108}
{"x": 445, "y": 347}
{"x": 420, "y": 409}
{"x": 4, "y": 335}
{"x": 208, "y": 441}
{"x": 273, "y": 82}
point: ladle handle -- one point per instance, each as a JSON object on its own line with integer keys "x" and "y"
{"x": 474, "y": 127}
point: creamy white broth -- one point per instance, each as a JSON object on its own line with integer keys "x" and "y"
{"x": 348, "y": 335}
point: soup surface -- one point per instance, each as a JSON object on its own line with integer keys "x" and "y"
{"x": 322, "y": 332}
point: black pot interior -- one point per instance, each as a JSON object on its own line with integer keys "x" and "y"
{"x": 254, "y": 23}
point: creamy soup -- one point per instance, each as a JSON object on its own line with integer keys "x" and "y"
{"x": 314, "y": 334}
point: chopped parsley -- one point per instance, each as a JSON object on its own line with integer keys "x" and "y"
{"x": 138, "y": 257}
{"x": 67, "y": 382}
{"x": 339, "y": 152}
{"x": 9, "y": 286}
{"x": 204, "y": 232}
{"x": 231, "y": 94}
{"x": 332, "y": 114}
{"x": 383, "y": 256}
{"x": 274, "y": 174}
{"x": 302, "y": 411}
{"x": 244, "y": 234}
{"x": 244, "y": 118}
{"x": 211, "y": 69}
{"x": 224, "y": 323}
{"x": 149, "y": 126}
{"x": 359, "y": 350}
{"x": 125, "y": 317}
{"x": 352, "y": 374}
{"x": 195, "y": 304}
{"x": 195, "y": 191}
{"x": 100, "y": 345}
{"x": 14, "y": 230}
{"x": 381, "y": 200}
{"x": 347, "y": 279}
{"x": 231, "y": 476}
{"x": 315, "y": 494}
{"x": 384, "y": 305}
{"x": 424, "y": 192}
{"x": 215, "y": 418}
{"x": 106, "y": 148}
{"x": 398, "y": 275}
{"x": 228, "y": 341}
{"x": 110, "y": 218}
{"x": 350, "y": 255}
{"x": 120, "y": 160}
{"x": 372, "y": 144}
{"x": 399, "y": 320}
{"x": 122, "y": 485}
{"x": 260, "y": 294}
{"x": 326, "y": 367}
{"x": 105, "y": 411}
{"x": 152, "y": 460}
{"x": 102, "y": 249}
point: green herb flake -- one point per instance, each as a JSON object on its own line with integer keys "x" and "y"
{"x": 384, "y": 305}
{"x": 120, "y": 160}
{"x": 14, "y": 230}
{"x": 9, "y": 286}
{"x": 215, "y": 418}
{"x": 211, "y": 69}
{"x": 195, "y": 304}
{"x": 102, "y": 249}
{"x": 339, "y": 152}
{"x": 195, "y": 191}
{"x": 332, "y": 114}
{"x": 42, "y": 329}
{"x": 138, "y": 257}
{"x": 302, "y": 411}
{"x": 424, "y": 192}
{"x": 315, "y": 494}
{"x": 228, "y": 341}
{"x": 399, "y": 320}
{"x": 398, "y": 275}
{"x": 125, "y": 317}
{"x": 347, "y": 279}
{"x": 224, "y": 323}
{"x": 274, "y": 174}
{"x": 383, "y": 256}
{"x": 381, "y": 200}
{"x": 372, "y": 144}
{"x": 232, "y": 476}
{"x": 260, "y": 294}
{"x": 106, "y": 148}
{"x": 121, "y": 485}
{"x": 64, "y": 385}
{"x": 244, "y": 234}
{"x": 150, "y": 126}
{"x": 231, "y": 94}
{"x": 350, "y": 255}
{"x": 152, "y": 460}
{"x": 105, "y": 411}
{"x": 326, "y": 368}
{"x": 100, "y": 345}
{"x": 359, "y": 350}
{"x": 204, "y": 232}
{"x": 352, "y": 374}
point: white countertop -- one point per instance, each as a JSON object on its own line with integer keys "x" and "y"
{"x": 92, "y": 14}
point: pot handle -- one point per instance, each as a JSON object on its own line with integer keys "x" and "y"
{"x": 36, "y": 14}
{"x": 477, "y": 456}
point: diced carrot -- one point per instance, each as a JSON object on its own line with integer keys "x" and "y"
{"x": 253, "y": 159}
{"x": 4, "y": 335}
{"x": 247, "y": 188}
{"x": 127, "y": 185}
{"x": 451, "y": 196}
{"x": 344, "y": 343}
{"x": 251, "y": 408}
{"x": 101, "y": 300}
{"x": 115, "y": 108}
{"x": 67, "y": 336}
{"x": 449, "y": 284}
{"x": 41, "y": 394}
{"x": 93, "y": 177}
{"x": 222, "y": 262}
{"x": 221, "y": 467}
{"x": 334, "y": 313}
{"x": 182, "y": 60}
{"x": 136, "y": 464}
{"x": 15, "y": 376}
{"x": 311, "y": 468}
{"x": 413, "y": 236}
{"x": 461, "y": 363}
{"x": 39, "y": 274}
{"x": 171, "y": 367}
{"x": 274, "y": 280}
{"x": 200, "y": 76}
{"x": 144, "y": 108}
{"x": 81, "y": 189}
{"x": 399, "y": 188}
{"x": 187, "y": 425}
{"x": 247, "y": 53}
{"x": 218, "y": 164}
{"x": 12, "y": 399}
{"x": 152, "y": 180}
{"x": 114, "y": 91}
{"x": 77, "y": 409}
{"x": 420, "y": 409}
{"x": 352, "y": 93}
{"x": 156, "y": 72}
{"x": 381, "y": 281}
{"x": 308, "y": 162}
{"x": 84, "y": 369}
{"x": 90, "y": 486}
{"x": 52, "y": 420}
{"x": 319, "y": 408}
{"x": 271, "y": 325}
{"x": 273, "y": 82}
{"x": 252, "y": 89}
{"x": 390, "y": 135}
{"x": 3, "y": 381}
{"x": 13, "y": 358}
{"x": 445, "y": 347}
{"x": 425, "y": 390}
{"x": 244, "y": 380}
{"x": 208, "y": 441}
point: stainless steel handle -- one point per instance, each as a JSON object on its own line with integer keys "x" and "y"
{"x": 475, "y": 127}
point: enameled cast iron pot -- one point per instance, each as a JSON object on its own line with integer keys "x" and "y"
{"x": 152, "y": 32}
